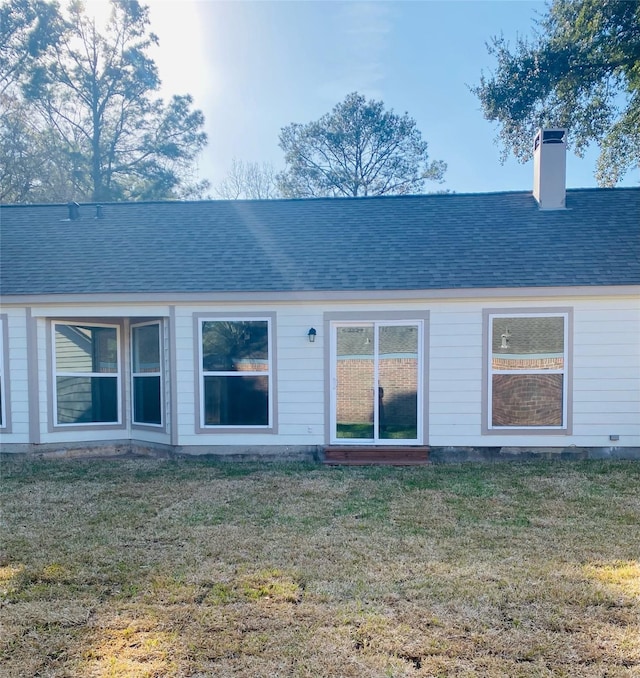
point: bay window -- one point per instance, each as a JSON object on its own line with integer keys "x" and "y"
{"x": 86, "y": 366}
{"x": 146, "y": 374}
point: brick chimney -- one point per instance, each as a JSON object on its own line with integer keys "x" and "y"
{"x": 550, "y": 168}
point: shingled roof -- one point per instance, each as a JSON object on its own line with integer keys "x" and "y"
{"x": 424, "y": 242}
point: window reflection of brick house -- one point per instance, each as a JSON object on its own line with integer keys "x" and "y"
{"x": 398, "y": 393}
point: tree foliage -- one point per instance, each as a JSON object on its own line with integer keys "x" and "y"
{"x": 582, "y": 72}
{"x": 27, "y": 29}
{"x": 90, "y": 95}
{"x": 358, "y": 149}
{"x": 249, "y": 181}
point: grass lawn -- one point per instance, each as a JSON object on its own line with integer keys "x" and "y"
{"x": 143, "y": 567}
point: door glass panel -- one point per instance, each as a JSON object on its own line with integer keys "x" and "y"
{"x": 398, "y": 382}
{"x": 355, "y": 372}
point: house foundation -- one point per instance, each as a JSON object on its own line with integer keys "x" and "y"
{"x": 317, "y": 453}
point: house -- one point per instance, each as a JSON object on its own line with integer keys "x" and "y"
{"x": 476, "y": 325}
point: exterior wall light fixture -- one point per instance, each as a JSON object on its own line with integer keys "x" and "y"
{"x": 311, "y": 334}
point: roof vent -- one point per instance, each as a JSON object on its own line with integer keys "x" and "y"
{"x": 550, "y": 168}
{"x": 74, "y": 211}
{"x": 99, "y": 213}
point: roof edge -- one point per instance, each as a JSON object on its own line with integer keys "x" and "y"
{"x": 412, "y": 196}
{"x": 337, "y": 295}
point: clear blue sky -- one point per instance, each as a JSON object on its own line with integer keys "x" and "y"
{"x": 254, "y": 67}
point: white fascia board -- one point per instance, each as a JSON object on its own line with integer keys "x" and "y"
{"x": 162, "y": 299}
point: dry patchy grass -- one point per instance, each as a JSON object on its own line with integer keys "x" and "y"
{"x": 175, "y": 568}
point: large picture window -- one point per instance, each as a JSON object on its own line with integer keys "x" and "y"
{"x": 236, "y": 373}
{"x": 527, "y": 369}
{"x": 87, "y": 374}
{"x": 146, "y": 374}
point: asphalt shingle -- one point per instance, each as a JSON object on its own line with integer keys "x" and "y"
{"x": 420, "y": 242}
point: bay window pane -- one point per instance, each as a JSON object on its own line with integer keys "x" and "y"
{"x": 82, "y": 400}
{"x": 146, "y": 368}
{"x": 236, "y": 401}
{"x": 86, "y": 349}
{"x": 147, "y": 406}
{"x": 146, "y": 348}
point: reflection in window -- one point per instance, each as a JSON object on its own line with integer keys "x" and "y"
{"x": 355, "y": 382}
{"x": 146, "y": 374}
{"x": 86, "y": 374}
{"x": 527, "y": 368}
{"x": 236, "y": 373}
{"x": 377, "y": 372}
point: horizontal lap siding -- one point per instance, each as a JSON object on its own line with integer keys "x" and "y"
{"x": 606, "y": 372}
{"x": 185, "y": 360}
{"x": 301, "y": 379}
{"x": 44, "y": 380}
{"x": 606, "y": 385}
{"x": 455, "y": 374}
{"x": 16, "y": 377}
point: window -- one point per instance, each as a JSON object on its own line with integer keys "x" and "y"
{"x": 86, "y": 368}
{"x": 236, "y": 373}
{"x": 146, "y": 374}
{"x": 527, "y": 368}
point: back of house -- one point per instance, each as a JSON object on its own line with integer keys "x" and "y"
{"x": 461, "y": 325}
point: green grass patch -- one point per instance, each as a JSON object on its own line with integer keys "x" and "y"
{"x": 192, "y": 567}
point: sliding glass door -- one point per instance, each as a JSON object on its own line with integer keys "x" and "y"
{"x": 377, "y": 382}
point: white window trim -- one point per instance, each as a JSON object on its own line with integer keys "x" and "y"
{"x": 159, "y": 373}
{"x": 109, "y": 375}
{"x": 376, "y": 323}
{"x": 489, "y": 427}
{"x": 269, "y": 373}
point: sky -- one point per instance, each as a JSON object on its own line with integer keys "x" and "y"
{"x": 256, "y": 66}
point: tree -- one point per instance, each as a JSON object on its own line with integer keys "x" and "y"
{"x": 27, "y": 29}
{"x": 91, "y": 99}
{"x": 358, "y": 149}
{"x": 581, "y": 72}
{"x": 31, "y": 166}
{"x": 249, "y": 181}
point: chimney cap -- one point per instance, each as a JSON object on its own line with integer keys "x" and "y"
{"x": 554, "y": 135}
